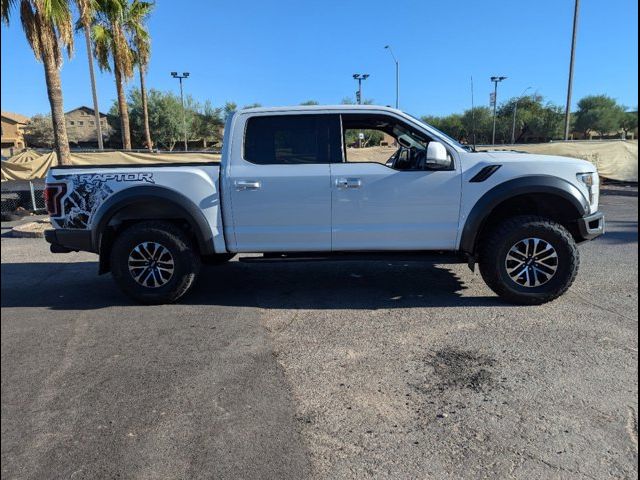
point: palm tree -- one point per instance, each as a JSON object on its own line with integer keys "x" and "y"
{"x": 86, "y": 9}
{"x": 136, "y": 16}
{"x": 110, "y": 43}
{"x": 49, "y": 28}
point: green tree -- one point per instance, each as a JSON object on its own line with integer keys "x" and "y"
{"x": 372, "y": 138}
{"x": 479, "y": 124}
{"x": 204, "y": 122}
{"x": 49, "y": 28}
{"x": 252, "y": 105}
{"x": 598, "y": 113}
{"x": 451, "y": 125}
{"x": 113, "y": 52}
{"x": 39, "y": 132}
{"x": 629, "y": 122}
{"x": 535, "y": 119}
{"x": 351, "y": 101}
{"x": 228, "y": 109}
{"x": 208, "y": 124}
{"x": 310, "y": 102}
{"x": 165, "y": 118}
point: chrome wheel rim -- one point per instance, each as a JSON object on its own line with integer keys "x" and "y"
{"x": 531, "y": 262}
{"x": 151, "y": 264}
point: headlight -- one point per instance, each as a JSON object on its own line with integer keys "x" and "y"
{"x": 590, "y": 180}
{"x": 587, "y": 179}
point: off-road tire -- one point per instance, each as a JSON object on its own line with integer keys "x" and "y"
{"x": 497, "y": 243}
{"x": 185, "y": 257}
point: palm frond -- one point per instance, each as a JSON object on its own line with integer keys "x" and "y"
{"x": 85, "y": 11}
{"x": 102, "y": 46}
{"x": 58, "y": 14}
{"x": 31, "y": 26}
{"x": 135, "y": 19}
{"x": 5, "y": 9}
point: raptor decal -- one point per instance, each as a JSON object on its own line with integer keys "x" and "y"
{"x": 89, "y": 191}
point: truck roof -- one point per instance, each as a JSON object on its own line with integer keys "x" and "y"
{"x": 350, "y": 109}
{"x": 306, "y": 108}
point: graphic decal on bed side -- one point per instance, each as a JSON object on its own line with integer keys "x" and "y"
{"x": 87, "y": 192}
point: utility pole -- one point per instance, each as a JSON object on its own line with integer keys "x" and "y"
{"x": 360, "y": 77}
{"x": 395, "y": 60}
{"x": 515, "y": 110}
{"x": 567, "y": 112}
{"x": 184, "y": 115}
{"x": 495, "y": 81}
{"x": 473, "y": 117}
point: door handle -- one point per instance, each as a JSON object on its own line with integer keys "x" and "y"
{"x": 348, "y": 183}
{"x": 247, "y": 185}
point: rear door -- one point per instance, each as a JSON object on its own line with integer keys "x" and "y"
{"x": 279, "y": 184}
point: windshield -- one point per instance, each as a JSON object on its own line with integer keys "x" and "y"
{"x": 451, "y": 140}
{"x": 409, "y": 137}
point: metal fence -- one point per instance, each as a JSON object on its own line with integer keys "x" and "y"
{"x": 19, "y": 197}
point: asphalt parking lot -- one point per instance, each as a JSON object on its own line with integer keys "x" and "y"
{"x": 321, "y": 370}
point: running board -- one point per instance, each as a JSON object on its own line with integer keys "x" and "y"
{"x": 421, "y": 256}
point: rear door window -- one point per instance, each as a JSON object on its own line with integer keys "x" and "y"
{"x": 293, "y": 139}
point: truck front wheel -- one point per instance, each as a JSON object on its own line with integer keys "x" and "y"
{"x": 529, "y": 260}
{"x": 154, "y": 262}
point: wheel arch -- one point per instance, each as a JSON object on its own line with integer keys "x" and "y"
{"x": 147, "y": 203}
{"x": 539, "y": 194}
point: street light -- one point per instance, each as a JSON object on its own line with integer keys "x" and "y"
{"x": 388, "y": 47}
{"x": 495, "y": 81}
{"x": 360, "y": 77}
{"x": 515, "y": 109}
{"x": 567, "y": 112}
{"x": 184, "y": 115}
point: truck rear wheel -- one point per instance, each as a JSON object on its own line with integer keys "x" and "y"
{"x": 154, "y": 262}
{"x": 529, "y": 260}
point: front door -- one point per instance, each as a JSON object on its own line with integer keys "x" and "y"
{"x": 279, "y": 185}
{"x": 382, "y": 204}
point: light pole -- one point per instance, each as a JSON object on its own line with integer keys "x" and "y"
{"x": 360, "y": 77}
{"x": 515, "y": 110}
{"x": 184, "y": 115}
{"x": 495, "y": 81}
{"x": 395, "y": 60}
{"x": 567, "y": 112}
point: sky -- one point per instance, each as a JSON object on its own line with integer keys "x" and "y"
{"x": 283, "y": 52}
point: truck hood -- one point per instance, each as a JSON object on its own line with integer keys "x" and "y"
{"x": 545, "y": 161}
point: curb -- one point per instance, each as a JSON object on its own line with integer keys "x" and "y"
{"x": 31, "y": 229}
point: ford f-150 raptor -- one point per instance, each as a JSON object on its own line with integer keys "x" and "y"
{"x": 290, "y": 186}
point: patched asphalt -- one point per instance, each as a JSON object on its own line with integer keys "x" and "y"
{"x": 321, "y": 370}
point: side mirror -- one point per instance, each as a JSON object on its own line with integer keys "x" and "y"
{"x": 437, "y": 157}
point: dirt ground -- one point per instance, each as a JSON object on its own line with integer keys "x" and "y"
{"x": 370, "y": 154}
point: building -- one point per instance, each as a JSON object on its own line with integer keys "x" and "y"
{"x": 81, "y": 127}
{"x": 12, "y": 133}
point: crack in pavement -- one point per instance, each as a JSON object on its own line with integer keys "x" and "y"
{"x": 632, "y": 427}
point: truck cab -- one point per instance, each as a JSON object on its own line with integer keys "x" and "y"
{"x": 331, "y": 182}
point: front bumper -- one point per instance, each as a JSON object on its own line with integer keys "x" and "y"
{"x": 68, "y": 240}
{"x": 591, "y": 226}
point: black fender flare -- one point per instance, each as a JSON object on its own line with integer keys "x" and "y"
{"x": 513, "y": 188}
{"x": 129, "y": 196}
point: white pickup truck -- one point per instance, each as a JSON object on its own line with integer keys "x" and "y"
{"x": 290, "y": 185}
